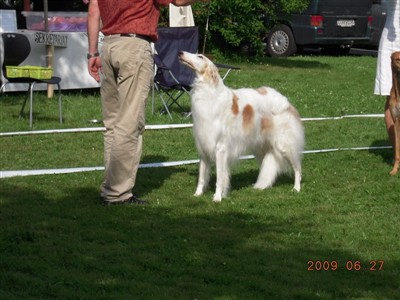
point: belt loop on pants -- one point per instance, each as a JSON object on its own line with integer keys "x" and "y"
{"x": 138, "y": 36}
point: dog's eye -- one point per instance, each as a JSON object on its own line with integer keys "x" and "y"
{"x": 200, "y": 56}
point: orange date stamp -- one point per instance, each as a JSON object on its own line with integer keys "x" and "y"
{"x": 350, "y": 265}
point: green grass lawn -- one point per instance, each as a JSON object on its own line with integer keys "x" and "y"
{"x": 58, "y": 242}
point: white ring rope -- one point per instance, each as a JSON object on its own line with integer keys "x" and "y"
{"x": 8, "y": 174}
{"x": 171, "y": 126}
{"x": 89, "y": 129}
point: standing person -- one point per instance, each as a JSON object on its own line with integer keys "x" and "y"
{"x": 125, "y": 69}
{"x": 389, "y": 43}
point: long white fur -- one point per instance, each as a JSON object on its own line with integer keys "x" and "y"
{"x": 228, "y": 123}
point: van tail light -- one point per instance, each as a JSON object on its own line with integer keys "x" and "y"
{"x": 317, "y": 21}
{"x": 370, "y": 19}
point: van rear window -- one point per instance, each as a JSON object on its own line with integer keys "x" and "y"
{"x": 344, "y": 7}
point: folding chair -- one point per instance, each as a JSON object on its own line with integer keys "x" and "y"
{"x": 16, "y": 50}
{"x": 172, "y": 80}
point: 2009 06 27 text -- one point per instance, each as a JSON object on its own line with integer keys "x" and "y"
{"x": 350, "y": 265}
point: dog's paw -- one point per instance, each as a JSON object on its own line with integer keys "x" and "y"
{"x": 296, "y": 189}
{"x": 395, "y": 167}
{"x": 258, "y": 187}
{"x": 217, "y": 198}
{"x": 261, "y": 186}
{"x": 199, "y": 192}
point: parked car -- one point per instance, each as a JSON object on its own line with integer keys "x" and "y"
{"x": 329, "y": 24}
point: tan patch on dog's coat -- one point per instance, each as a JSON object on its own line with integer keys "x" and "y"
{"x": 235, "y": 105}
{"x": 294, "y": 112}
{"x": 262, "y": 90}
{"x": 248, "y": 116}
{"x": 210, "y": 73}
{"x": 266, "y": 124}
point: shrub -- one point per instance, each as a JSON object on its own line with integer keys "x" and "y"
{"x": 234, "y": 23}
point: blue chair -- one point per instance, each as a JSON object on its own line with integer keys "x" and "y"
{"x": 172, "y": 80}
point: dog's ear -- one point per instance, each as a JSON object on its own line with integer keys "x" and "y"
{"x": 212, "y": 73}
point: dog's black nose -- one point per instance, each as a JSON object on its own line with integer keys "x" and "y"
{"x": 180, "y": 53}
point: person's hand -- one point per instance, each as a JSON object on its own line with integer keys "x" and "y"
{"x": 94, "y": 67}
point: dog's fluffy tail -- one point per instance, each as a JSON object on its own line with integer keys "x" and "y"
{"x": 285, "y": 155}
{"x": 269, "y": 170}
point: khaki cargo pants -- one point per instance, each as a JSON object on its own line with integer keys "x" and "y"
{"x": 127, "y": 64}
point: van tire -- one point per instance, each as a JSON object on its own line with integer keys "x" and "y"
{"x": 280, "y": 42}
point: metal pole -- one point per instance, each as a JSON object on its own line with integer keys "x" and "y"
{"x": 49, "y": 49}
{"x": 45, "y": 11}
{"x": 208, "y": 19}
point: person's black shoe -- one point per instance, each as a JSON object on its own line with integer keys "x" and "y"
{"x": 135, "y": 200}
{"x": 132, "y": 200}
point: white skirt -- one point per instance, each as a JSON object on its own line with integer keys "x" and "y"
{"x": 389, "y": 43}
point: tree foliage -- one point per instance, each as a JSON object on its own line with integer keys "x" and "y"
{"x": 236, "y": 22}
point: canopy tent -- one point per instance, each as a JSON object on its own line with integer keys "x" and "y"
{"x": 27, "y": 7}
{"x": 180, "y": 16}
{"x": 183, "y": 16}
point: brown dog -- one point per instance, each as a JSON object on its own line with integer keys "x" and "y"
{"x": 394, "y": 105}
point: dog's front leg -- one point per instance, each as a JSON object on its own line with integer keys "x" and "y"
{"x": 204, "y": 177}
{"x": 222, "y": 166}
{"x": 396, "y": 147}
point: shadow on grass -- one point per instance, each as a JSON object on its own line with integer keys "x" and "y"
{"x": 245, "y": 179}
{"x": 151, "y": 179}
{"x": 298, "y": 63}
{"x": 69, "y": 247}
{"x": 385, "y": 154}
{"x": 38, "y": 117}
{"x": 13, "y": 98}
{"x": 249, "y": 178}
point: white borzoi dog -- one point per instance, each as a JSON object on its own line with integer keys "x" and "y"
{"x": 228, "y": 123}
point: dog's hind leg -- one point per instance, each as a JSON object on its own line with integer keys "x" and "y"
{"x": 396, "y": 148}
{"x": 268, "y": 172}
{"x": 223, "y": 173}
{"x": 294, "y": 160}
{"x": 204, "y": 177}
